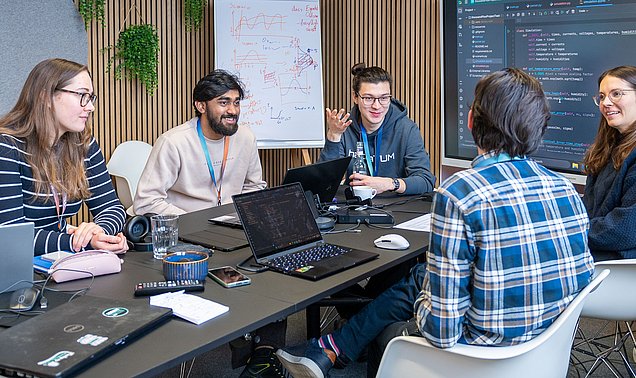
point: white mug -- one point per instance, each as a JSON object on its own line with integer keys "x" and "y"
{"x": 364, "y": 192}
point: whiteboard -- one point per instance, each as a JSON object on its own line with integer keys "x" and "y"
{"x": 274, "y": 47}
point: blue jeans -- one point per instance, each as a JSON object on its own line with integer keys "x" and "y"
{"x": 394, "y": 305}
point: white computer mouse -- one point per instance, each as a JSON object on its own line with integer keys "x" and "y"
{"x": 391, "y": 241}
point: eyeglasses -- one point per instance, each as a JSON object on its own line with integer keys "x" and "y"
{"x": 369, "y": 100}
{"x": 84, "y": 97}
{"x": 614, "y": 96}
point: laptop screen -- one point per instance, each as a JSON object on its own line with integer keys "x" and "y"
{"x": 276, "y": 219}
{"x": 16, "y": 269}
{"x": 321, "y": 179}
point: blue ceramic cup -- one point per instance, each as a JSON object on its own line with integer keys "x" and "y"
{"x": 187, "y": 265}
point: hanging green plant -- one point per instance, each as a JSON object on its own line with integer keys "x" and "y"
{"x": 91, "y": 9}
{"x": 137, "y": 51}
{"x": 193, "y": 13}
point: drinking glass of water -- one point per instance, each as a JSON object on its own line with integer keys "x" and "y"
{"x": 165, "y": 232}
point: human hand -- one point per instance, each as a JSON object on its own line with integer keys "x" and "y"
{"x": 83, "y": 234}
{"x": 380, "y": 184}
{"x": 113, "y": 243}
{"x": 337, "y": 123}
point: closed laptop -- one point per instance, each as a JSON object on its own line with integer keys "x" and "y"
{"x": 71, "y": 337}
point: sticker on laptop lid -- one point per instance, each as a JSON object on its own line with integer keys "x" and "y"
{"x": 115, "y": 312}
{"x": 54, "y": 360}
{"x": 92, "y": 340}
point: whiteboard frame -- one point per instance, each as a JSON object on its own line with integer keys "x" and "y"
{"x": 264, "y": 143}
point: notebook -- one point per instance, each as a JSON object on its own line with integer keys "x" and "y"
{"x": 321, "y": 179}
{"x": 278, "y": 222}
{"x": 72, "y": 336}
{"x": 16, "y": 269}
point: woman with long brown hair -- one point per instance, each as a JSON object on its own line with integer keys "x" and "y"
{"x": 50, "y": 164}
{"x": 610, "y": 191}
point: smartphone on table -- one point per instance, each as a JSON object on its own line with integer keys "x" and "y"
{"x": 227, "y": 276}
{"x": 54, "y": 256}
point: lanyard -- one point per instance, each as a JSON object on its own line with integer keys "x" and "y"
{"x": 367, "y": 154}
{"x": 226, "y": 148}
{"x": 60, "y": 214}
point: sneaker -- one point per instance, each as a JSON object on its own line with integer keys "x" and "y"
{"x": 315, "y": 364}
{"x": 263, "y": 364}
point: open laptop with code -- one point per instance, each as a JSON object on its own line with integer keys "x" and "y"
{"x": 71, "y": 337}
{"x": 284, "y": 236}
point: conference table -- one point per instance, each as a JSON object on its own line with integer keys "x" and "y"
{"x": 270, "y": 297}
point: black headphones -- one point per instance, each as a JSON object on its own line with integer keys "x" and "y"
{"x": 137, "y": 231}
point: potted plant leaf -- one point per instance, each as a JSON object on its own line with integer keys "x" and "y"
{"x": 193, "y": 13}
{"x": 137, "y": 55}
{"x": 91, "y": 9}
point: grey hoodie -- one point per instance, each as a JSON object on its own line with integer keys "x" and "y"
{"x": 402, "y": 152}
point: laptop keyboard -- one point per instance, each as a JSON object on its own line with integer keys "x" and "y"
{"x": 302, "y": 258}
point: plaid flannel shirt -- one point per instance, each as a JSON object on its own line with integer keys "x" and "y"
{"x": 508, "y": 252}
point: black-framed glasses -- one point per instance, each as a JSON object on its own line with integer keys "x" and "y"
{"x": 85, "y": 97}
{"x": 614, "y": 95}
{"x": 369, "y": 100}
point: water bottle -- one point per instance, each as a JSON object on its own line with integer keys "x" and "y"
{"x": 360, "y": 164}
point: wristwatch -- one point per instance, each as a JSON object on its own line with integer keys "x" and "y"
{"x": 396, "y": 185}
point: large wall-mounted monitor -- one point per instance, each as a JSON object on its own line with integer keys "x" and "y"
{"x": 565, "y": 44}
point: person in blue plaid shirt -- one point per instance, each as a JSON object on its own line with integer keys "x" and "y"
{"x": 508, "y": 249}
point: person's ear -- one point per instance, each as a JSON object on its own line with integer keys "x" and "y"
{"x": 470, "y": 119}
{"x": 354, "y": 97}
{"x": 200, "y": 106}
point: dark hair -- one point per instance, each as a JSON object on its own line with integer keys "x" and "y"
{"x": 60, "y": 165}
{"x": 510, "y": 112}
{"x": 362, "y": 74}
{"x": 215, "y": 84}
{"x": 609, "y": 143}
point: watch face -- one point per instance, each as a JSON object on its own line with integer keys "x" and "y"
{"x": 396, "y": 184}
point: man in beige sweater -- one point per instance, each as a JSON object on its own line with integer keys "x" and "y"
{"x": 203, "y": 162}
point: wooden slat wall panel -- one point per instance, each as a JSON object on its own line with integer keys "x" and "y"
{"x": 401, "y": 36}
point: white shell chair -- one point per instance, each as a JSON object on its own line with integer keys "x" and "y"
{"x": 547, "y": 355}
{"x": 615, "y": 302}
{"x": 126, "y": 164}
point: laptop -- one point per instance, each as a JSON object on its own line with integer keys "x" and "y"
{"x": 321, "y": 179}
{"x": 217, "y": 238}
{"x": 228, "y": 220}
{"x": 71, "y": 337}
{"x": 279, "y": 224}
{"x": 16, "y": 269}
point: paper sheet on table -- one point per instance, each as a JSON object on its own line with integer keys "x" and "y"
{"x": 421, "y": 223}
{"x": 189, "y": 307}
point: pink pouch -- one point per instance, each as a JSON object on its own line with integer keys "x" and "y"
{"x": 84, "y": 265}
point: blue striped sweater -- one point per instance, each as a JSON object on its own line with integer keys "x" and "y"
{"x": 19, "y": 202}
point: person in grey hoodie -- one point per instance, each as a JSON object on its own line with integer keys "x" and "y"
{"x": 393, "y": 146}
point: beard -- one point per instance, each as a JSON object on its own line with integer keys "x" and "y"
{"x": 219, "y": 127}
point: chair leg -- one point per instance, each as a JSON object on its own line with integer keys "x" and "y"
{"x": 601, "y": 352}
{"x": 184, "y": 371}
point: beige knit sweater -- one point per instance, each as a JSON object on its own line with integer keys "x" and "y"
{"x": 176, "y": 178}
